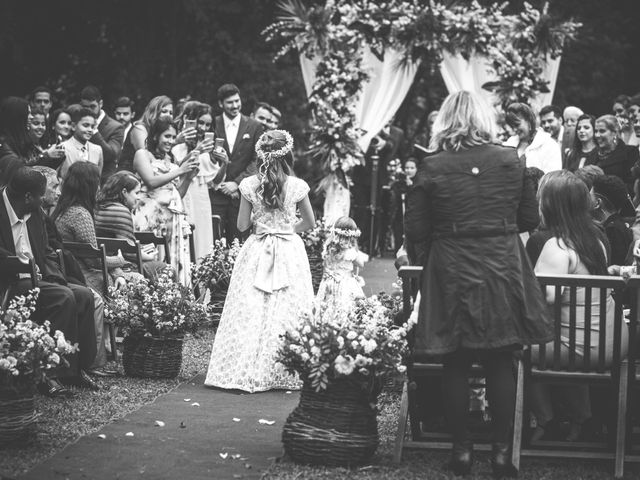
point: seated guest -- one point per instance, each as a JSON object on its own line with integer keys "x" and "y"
{"x": 118, "y": 197}
{"x": 47, "y": 155}
{"x": 533, "y": 145}
{"x": 611, "y": 198}
{"x": 15, "y": 142}
{"x": 577, "y": 246}
{"x": 614, "y": 157}
{"x": 78, "y": 148}
{"x": 68, "y": 307}
{"x": 584, "y": 150}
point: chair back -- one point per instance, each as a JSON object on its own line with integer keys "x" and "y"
{"x": 86, "y": 251}
{"x": 146, "y": 238}
{"x": 112, "y": 245}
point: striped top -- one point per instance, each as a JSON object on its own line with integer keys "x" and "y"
{"x": 114, "y": 220}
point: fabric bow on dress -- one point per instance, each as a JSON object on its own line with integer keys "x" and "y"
{"x": 272, "y": 273}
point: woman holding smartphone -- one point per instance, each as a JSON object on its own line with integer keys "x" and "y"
{"x": 196, "y": 201}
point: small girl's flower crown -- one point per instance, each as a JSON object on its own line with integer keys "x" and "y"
{"x": 343, "y": 232}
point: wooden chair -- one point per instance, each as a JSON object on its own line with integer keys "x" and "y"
{"x": 86, "y": 251}
{"x": 559, "y": 363}
{"x": 146, "y": 238}
{"x": 632, "y": 451}
{"x": 419, "y": 369}
{"x": 13, "y": 266}
{"x": 112, "y": 245}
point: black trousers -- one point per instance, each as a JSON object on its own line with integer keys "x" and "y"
{"x": 227, "y": 208}
{"x": 69, "y": 309}
{"x": 501, "y": 389}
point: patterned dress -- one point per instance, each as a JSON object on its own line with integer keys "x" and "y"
{"x": 340, "y": 285}
{"x": 161, "y": 211}
{"x": 270, "y": 285}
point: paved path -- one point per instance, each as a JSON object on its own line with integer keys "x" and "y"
{"x": 190, "y": 444}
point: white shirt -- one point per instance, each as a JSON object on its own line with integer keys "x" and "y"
{"x": 543, "y": 152}
{"x": 100, "y": 117}
{"x": 231, "y": 129}
{"x": 19, "y": 231}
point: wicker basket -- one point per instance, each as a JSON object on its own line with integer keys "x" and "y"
{"x": 17, "y": 418}
{"x": 317, "y": 269}
{"x": 334, "y": 427}
{"x": 152, "y": 357}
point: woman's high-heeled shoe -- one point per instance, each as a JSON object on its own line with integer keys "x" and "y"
{"x": 461, "y": 458}
{"x": 501, "y": 461}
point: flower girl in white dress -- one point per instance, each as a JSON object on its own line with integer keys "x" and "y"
{"x": 340, "y": 285}
{"x": 271, "y": 280}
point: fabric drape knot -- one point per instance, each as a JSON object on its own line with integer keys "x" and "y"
{"x": 272, "y": 274}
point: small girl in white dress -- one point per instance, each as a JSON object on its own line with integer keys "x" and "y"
{"x": 341, "y": 285}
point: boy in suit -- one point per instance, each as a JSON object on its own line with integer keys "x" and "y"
{"x": 237, "y": 157}
{"x": 109, "y": 135}
{"x": 79, "y": 148}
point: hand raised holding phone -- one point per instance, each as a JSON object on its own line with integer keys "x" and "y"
{"x": 206, "y": 145}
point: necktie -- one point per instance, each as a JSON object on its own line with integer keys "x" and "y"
{"x": 83, "y": 153}
{"x": 232, "y": 133}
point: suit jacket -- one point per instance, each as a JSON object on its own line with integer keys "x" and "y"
{"x": 242, "y": 162}
{"x": 38, "y": 238}
{"x": 110, "y": 137}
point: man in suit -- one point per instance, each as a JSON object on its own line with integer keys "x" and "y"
{"x": 110, "y": 133}
{"x": 237, "y": 157}
{"x": 68, "y": 307}
{"x": 551, "y": 122}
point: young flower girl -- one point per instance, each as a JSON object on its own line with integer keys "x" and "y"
{"x": 340, "y": 284}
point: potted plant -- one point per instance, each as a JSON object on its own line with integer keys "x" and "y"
{"x": 153, "y": 318}
{"x": 212, "y": 273}
{"x": 341, "y": 356}
{"x": 27, "y": 351}
{"x": 314, "y": 240}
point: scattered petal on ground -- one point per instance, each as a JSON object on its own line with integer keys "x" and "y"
{"x": 195, "y": 404}
{"x": 102, "y": 436}
{"x": 235, "y": 419}
{"x": 159, "y": 423}
{"x": 128, "y": 434}
{"x": 187, "y": 399}
{"x": 262, "y": 421}
{"x": 236, "y": 456}
{"x": 288, "y": 392}
{"x": 223, "y": 455}
{"x": 247, "y": 466}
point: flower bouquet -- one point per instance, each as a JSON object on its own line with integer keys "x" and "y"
{"x": 212, "y": 273}
{"x": 341, "y": 356}
{"x": 153, "y": 318}
{"x": 314, "y": 240}
{"x": 27, "y": 351}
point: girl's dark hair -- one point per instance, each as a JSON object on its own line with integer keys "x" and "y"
{"x": 192, "y": 110}
{"x": 517, "y": 111}
{"x": 52, "y": 136}
{"x": 111, "y": 191}
{"x": 277, "y": 170}
{"x": 14, "y": 119}
{"x": 577, "y": 145}
{"x": 565, "y": 205}
{"x": 79, "y": 187}
{"x": 158, "y": 127}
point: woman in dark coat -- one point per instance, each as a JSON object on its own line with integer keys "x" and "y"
{"x": 614, "y": 157}
{"x": 480, "y": 298}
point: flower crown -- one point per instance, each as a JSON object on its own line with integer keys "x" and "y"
{"x": 268, "y": 156}
{"x": 344, "y": 232}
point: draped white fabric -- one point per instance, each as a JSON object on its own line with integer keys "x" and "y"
{"x": 382, "y": 95}
{"x": 460, "y": 74}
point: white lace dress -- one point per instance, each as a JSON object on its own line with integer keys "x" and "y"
{"x": 340, "y": 285}
{"x": 273, "y": 257}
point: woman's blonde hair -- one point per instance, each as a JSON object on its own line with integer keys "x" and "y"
{"x": 610, "y": 122}
{"x": 465, "y": 120}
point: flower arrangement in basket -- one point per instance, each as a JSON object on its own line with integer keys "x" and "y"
{"x": 153, "y": 318}
{"x": 28, "y": 350}
{"x": 341, "y": 356}
{"x": 359, "y": 344}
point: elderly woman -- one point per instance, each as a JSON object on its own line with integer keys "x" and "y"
{"x": 614, "y": 157}
{"x": 534, "y": 145}
{"x": 480, "y": 299}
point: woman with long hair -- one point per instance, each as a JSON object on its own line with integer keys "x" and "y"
{"x": 16, "y": 145}
{"x": 196, "y": 200}
{"x": 480, "y": 300}
{"x": 159, "y": 107}
{"x": 271, "y": 280}
{"x": 117, "y": 199}
{"x": 577, "y": 246}
{"x": 584, "y": 151}
{"x": 164, "y": 184}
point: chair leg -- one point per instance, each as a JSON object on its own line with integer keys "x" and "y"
{"x": 621, "y": 427}
{"x": 402, "y": 423}
{"x": 112, "y": 339}
{"x": 516, "y": 443}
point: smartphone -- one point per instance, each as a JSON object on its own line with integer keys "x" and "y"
{"x": 208, "y": 136}
{"x": 189, "y": 124}
{"x": 219, "y": 143}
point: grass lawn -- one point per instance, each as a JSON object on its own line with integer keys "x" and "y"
{"x": 64, "y": 421}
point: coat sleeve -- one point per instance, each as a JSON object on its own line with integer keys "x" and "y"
{"x": 111, "y": 147}
{"x": 417, "y": 225}
{"x": 528, "y": 216}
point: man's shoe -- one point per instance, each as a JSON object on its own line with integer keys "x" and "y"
{"x": 85, "y": 381}
{"x": 461, "y": 458}
{"x": 52, "y": 388}
{"x": 501, "y": 461}
{"x": 102, "y": 372}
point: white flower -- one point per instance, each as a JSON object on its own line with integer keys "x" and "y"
{"x": 369, "y": 345}
{"x": 340, "y": 341}
{"x": 344, "y": 365}
{"x": 351, "y": 335}
{"x": 305, "y": 357}
{"x": 402, "y": 368}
